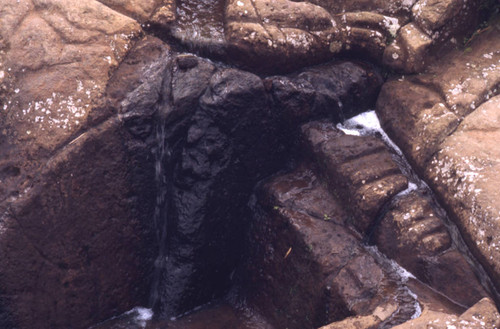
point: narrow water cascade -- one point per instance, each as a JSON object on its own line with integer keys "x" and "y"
{"x": 367, "y": 124}
{"x": 160, "y": 212}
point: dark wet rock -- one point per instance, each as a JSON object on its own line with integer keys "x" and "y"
{"x": 305, "y": 268}
{"x": 412, "y": 232}
{"x": 336, "y": 90}
{"x": 230, "y": 144}
{"x": 76, "y": 245}
{"x": 360, "y": 170}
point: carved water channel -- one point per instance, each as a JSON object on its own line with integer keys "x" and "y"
{"x": 233, "y": 311}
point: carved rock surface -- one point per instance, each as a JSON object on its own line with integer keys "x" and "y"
{"x": 412, "y": 232}
{"x": 358, "y": 169}
{"x": 305, "y": 268}
{"x": 437, "y": 121}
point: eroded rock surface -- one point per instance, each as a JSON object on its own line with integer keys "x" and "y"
{"x": 358, "y": 169}
{"x": 306, "y": 268}
{"x": 277, "y": 36}
{"x": 79, "y": 233}
{"x": 159, "y": 123}
{"x": 55, "y": 61}
{"x": 482, "y": 315}
{"x": 439, "y": 122}
{"x": 413, "y": 233}
{"x": 104, "y": 134}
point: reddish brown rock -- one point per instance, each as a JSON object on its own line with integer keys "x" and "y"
{"x": 425, "y": 115}
{"x": 78, "y": 243}
{"x": 306, "y": 269}
{"x": 465, "y": 174}
{"x": 482, "y": 315}
{"x": 412, "y": 232}
{"x": 358, "y": 169}
{"x": 139, "y": 10}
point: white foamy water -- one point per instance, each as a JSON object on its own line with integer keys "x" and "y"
{"x": 367, "y": 123}
{"x": 143, "y": 315}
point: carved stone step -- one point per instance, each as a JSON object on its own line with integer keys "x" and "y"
{"x": 359, "y": 169}
{"x": 306, "y": 268}
{"x": 413, "y": 234}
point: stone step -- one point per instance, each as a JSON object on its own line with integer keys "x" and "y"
{"x": 306, "y": 268}
{"x": 363, "y": 173}
{"x": 359, "y": 169}
{"x": 413, "y": 233}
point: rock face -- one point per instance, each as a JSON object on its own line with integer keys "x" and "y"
{"x": 407, "y": 228}
{"x": 306, "y": 269}
{"x": 54, "y": 66}
{"x": 413, "y": 233}
{"x": 127, "y": 165}
{"x": 79, "y": 235}
{"x": 307, "y": 264}
{"x": 234, "y": 131}
{"x": 75, "y": 232}
{"x": 446, "y": 133}
{"x": 162, "y": 134}
{"x": 482, "y": 315}
{"x": 347, "y": 163}
{"x": 279, "y": 36}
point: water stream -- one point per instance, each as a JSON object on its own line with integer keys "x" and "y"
{"x": 160, "y": 212}
{"x": 367, "y": 123}
{"x": 229, "y": 315}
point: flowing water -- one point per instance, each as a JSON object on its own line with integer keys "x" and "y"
{"x": 226, "y": 314}
{"x": 160, "y": 213}
{"x": 368, "y": 124}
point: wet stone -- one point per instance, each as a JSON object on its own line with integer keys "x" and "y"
{"x": 360, "y": 169}
{"x": 412, "y": 232}
{"x": 305, "y": 268}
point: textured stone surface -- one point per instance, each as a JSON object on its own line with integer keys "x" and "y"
{"x": 433, "y": 14}
{"x": 336, "y": 90}
{"x": 421, "y": 111}
{"x": 408, "y": 52}
{"x": 358, "y": 169}
{"x": 282, "y": 35}
{"x": 482, "y": 315}
{"x": 465, "y": 174}
{"x": 425, "y": 114}
{"x": 77, "y": 241}
{"x": 76, "y": 246}
{"x": 412, "y": 232}
{"x": 139, "y": 10}
{"x": 281, "y": 31}
{"x": 305, "y": 268}
{"x": 55, "y": 62}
